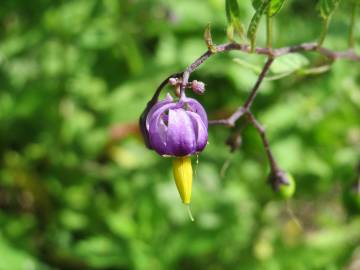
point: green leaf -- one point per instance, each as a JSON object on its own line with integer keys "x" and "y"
{"x": 275, "y": 7}
{"x": 327, "y": 7}
{"x": 288, "y": 63}
{"x": 230, "y": 32}
{"x": 233, "y": 16}
{"x": 256, "y": 3}
{"x": 232, "y": 10}
{"x": 238, "y": 27}
{"x": 254, "y": 24}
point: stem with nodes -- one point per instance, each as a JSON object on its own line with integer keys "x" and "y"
{"x": 272, "y": 54}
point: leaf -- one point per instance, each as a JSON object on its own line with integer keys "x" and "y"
{"x": 230, "y": 32}
{"x": 315, "y": 70}
{"x": 256, "y": 3}
{"x": 233, "y": 16}
{"x": 248, "y": 65}
{"x": 208, "y": 39}
{"x": 232, "y": 10}
{"x": 254, "y": 24}
{"x": 327, "y": 7}
{"x": 275, "y": 6}
{"x": 288, "y": 63}
{"x": 238, "y": 27}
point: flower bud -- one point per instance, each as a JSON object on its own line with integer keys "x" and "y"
{"x": 198, "y": 87}
{"x": 177, "y": 128}
{"x": 182, "y": 171}
{"x": 173, "y": 81}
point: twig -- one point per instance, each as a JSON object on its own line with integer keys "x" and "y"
{"x": 261, "y": 77}
{"x": 272, "y": 53}
{"x": 247, "y": 105}
{"x": 265, "y": 141}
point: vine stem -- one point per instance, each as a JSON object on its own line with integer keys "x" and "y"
{"x": 272, "y": 54}
{"x": 261, "y": 130}
{"x": 268, "y": 29}
{"x": 324, "y": 31}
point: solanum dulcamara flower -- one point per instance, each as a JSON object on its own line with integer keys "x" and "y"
{"x": 177, "y": 129}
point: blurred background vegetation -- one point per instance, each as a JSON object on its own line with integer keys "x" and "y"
{"x": 78, "y": 189}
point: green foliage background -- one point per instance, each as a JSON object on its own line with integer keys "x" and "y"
{"x": 77, "y": 193}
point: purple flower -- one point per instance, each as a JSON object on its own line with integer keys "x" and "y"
{"x": 176, "y": 128}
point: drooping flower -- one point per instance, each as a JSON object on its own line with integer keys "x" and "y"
{"x": 177, "y": 128}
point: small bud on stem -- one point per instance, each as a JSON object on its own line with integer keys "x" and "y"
{"x": 198, "y": 87}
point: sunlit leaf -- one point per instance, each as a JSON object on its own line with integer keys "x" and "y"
{"x": 233, "y": 16}
{"x": 275, "y": 6}
{"x": 254, "y": 24}
{"x": 230, "y": 32}
{"x": 327, "y": 7}
{"x": 288, "y": 63}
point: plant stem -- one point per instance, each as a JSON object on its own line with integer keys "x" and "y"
{"x": 255, "y": 89}
{"x": 324, "y": 31}
{"x": 268, "y": 30}
{"x": 261, "y": 130}
{"x": 352, "y": 26}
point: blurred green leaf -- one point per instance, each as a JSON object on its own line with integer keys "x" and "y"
{"x": 233, "y": 17}
{"x": 274, "y": 7}
{"x": 12, "y": 258}
{"x": 289, "y": 63}
{"x": 327, "y": 7}
{"x": 254, "y": 24}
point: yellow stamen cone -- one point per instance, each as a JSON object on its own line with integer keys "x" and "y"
{"x": 183, "y": 177}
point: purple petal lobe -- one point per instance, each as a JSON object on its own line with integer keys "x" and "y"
{"x": 196, "y": 107}
{"x": 181, "y": 139}
{"x": 200, "y": 129}
{"x": 156, "y": 114}
{"x": 157, "y": 135}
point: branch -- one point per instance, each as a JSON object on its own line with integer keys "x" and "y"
{"x": 247, "y": 105}
{"x": 261, "y": 131}
{"x": 271, "y": 53}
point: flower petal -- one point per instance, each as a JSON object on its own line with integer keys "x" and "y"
{"x": 158, "y": 135}
{"x": 181, "y": 139}
{"x": 201, "y": 133}
{"x": 197, "y": 108}
{"x": 157, "y": 106}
